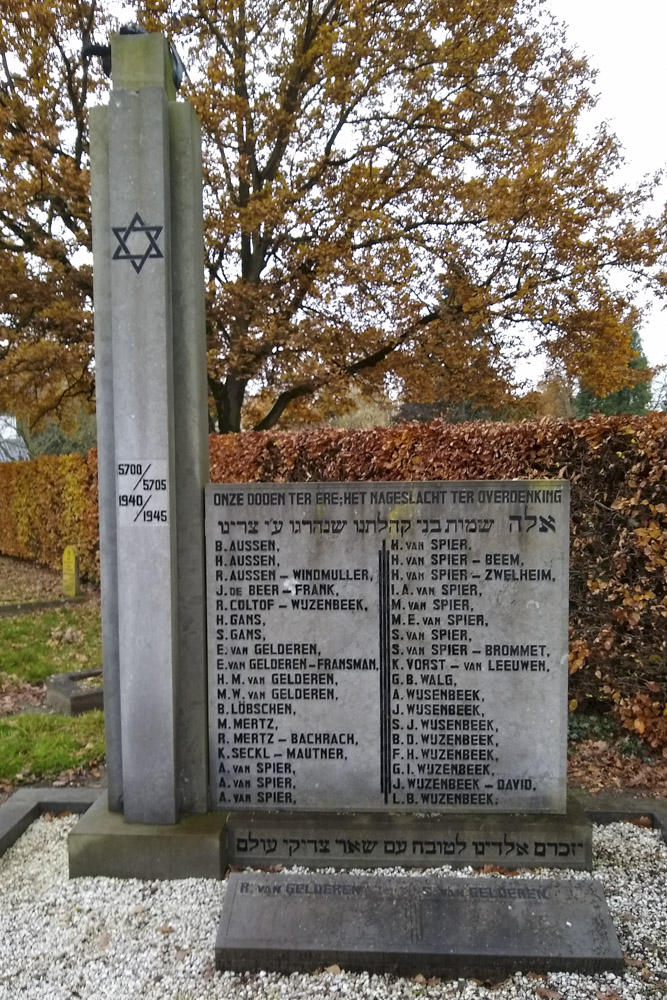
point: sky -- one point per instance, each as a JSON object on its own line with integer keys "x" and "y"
{"x": 626, "y": 44}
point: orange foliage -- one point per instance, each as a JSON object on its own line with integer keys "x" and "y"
{"x": 45, "y": 281}
{"x": 392, "y": 191}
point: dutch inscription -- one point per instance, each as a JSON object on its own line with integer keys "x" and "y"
{"x": 388, "y": 645}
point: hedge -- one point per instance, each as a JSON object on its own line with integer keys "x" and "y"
{"x": 617, "y": 467}
{"x": 47, "y": 504}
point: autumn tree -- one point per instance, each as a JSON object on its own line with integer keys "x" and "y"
{"x": 633, "y": 398}
{"x": 45, "y": 278}
{"x": 397, "y": 194}
{"x": 553, "y": 397}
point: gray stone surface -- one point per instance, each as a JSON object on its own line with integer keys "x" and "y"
{"x": 102, "y": 843}
{"x": 144, "y": 451}
{"x": 140, "y": 61}
{"x": 436, "y": 927}
{"x": 371, "y": 840}
{"x": 106, "y": 454}
{"x": 25, "y": 805}
{"x": 397, "y": 646}
{"x": 151, "y": 370}
{"x": 612, "y": 807}
{"x": 191, "y": 451}
{"x": 66, "y": 694}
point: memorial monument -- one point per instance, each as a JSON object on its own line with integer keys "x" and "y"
{"x": 386, "y": 675}
{"x": 387, "y": 662}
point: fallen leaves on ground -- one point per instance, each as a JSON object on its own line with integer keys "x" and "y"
{"x": 60, "y": 635}
{"x": 23, "y": 581}
{"x": 599, "y": 765}
{"x": 498, "y": 870}
{"x": 19, "y": 696}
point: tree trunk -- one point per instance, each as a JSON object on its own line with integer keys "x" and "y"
{"x": 228, "y": 396}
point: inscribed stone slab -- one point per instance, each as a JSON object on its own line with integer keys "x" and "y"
{"x": 370, "y": 840}
{"x": 389, "y": 646}
{"x": 437, "y": 927}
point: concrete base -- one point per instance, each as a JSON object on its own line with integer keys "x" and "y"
{"x": 102, "y": 843}
{"x": 27, "y": 607}
{"x": 608, "y": 807}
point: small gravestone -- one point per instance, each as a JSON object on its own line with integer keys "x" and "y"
{"x": 447, "y": 927}
{"x": 71, "y": 584}
{"x": 76, "y": 692}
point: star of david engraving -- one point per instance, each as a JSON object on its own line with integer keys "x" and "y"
{"x": 124, "y": 233}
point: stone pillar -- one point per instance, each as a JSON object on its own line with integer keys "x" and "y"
{"x": 106, "y": 479}
{"x": 192, "y": 456}
{"x": 148, "y": 261}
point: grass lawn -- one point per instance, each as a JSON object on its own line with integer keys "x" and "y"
{"x": 42, "y": 746}
{"x": 33, "y": 646}
{"x": 38, "y": 746}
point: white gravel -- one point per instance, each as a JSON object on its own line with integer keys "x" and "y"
{"x": 106, "y": 938}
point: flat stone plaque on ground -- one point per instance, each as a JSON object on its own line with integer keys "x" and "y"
{"x": 388, "y": 646}
{"x": 434, "y": 926}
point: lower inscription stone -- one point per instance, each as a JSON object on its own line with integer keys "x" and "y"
{"x": 370, "y": 840}
{"x": 435, "y": 926}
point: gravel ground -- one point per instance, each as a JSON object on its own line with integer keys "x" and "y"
{"x": 105, "y": 938}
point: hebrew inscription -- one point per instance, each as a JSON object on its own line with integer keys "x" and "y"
{"x": 397, "y": 646}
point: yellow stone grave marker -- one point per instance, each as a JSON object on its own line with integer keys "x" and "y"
{"x": 71, "y": 586}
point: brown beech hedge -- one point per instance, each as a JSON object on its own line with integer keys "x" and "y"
{"x": 617, "y": 467}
